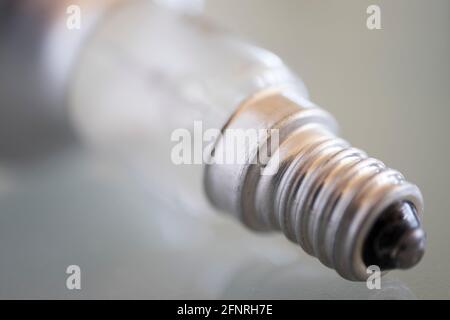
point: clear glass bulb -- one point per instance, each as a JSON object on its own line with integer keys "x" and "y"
{"x": 146, "y": 71}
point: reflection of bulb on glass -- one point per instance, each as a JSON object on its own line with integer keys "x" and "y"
{"x": 145, "y": 71}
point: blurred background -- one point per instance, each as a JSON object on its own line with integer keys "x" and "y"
{"x": 389, "y": 90}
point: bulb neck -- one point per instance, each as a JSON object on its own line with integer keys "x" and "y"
{"x": 314, "y": 187}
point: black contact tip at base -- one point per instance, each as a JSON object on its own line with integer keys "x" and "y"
{"x": 396, "y": 240}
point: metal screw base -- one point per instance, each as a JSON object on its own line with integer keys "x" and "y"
{"x": 325, "y": 195}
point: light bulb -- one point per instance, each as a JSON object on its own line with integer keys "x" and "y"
{"x": 145, "y": 71}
